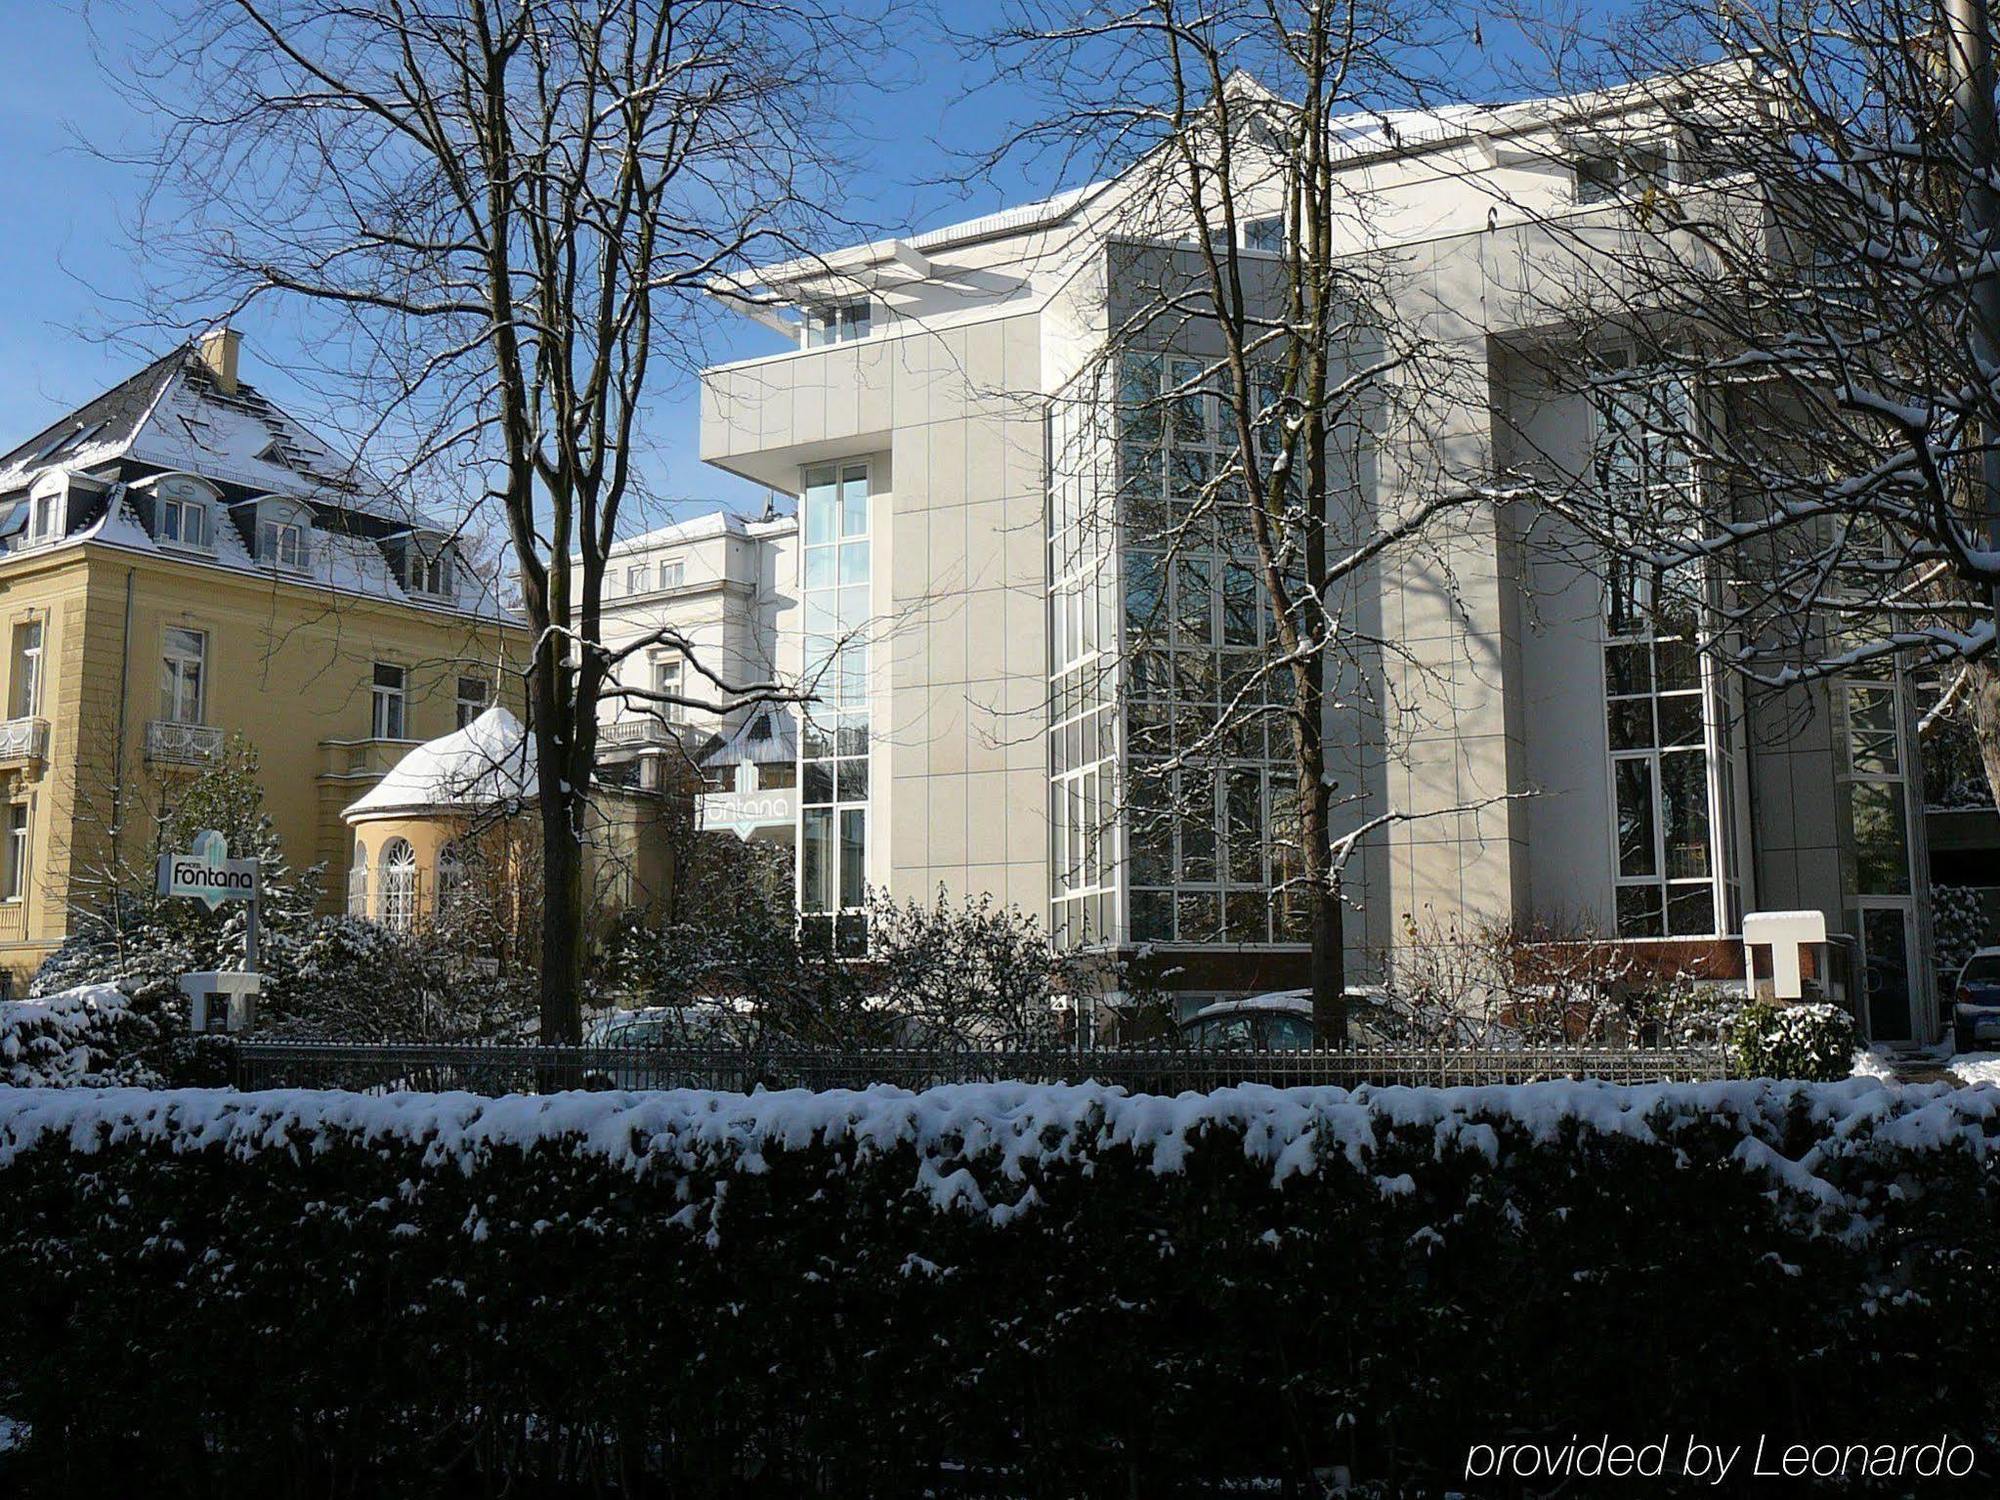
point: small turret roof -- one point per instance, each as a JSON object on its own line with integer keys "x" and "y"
{"x": 489, "y": 764}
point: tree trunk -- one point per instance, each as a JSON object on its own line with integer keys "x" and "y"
{"x": 1983, "y": 695}
{"x": 1329, "y": 956}
{"x": 562, "y": 923}
{"x": 560, "y": 796}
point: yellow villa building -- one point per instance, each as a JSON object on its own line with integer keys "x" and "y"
{"x": 181, "y": 562}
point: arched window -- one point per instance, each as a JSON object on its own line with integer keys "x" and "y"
{"x": 357, "y": 882}
{"x": 399, "y": 885}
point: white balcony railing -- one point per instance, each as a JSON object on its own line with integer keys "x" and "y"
{"x": 623, "y": 734}
{"x": 168, "y": 743}
{"x": 24, "y": 739}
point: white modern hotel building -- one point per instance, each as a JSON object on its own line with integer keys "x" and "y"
{"x": 974, "y": 729}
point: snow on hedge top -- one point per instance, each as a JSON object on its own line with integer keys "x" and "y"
{"x": 489, "y": 763}
{"x": 47, "y": 1040}
{"x": 1016, "y": 1125}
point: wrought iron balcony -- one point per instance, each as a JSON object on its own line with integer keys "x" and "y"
{"x": 24, "y": 740}
{"x": 171, "y": 744}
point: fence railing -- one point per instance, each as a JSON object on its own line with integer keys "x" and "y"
{"x": 493, "y": 1069}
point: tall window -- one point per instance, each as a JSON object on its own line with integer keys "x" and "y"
{"x": 357, "y": 882}
{"x": 45, "y": 519}
{"x": 833, "y": 817}
{"x": 673, "y": 573}
{"x": 16, "y": 873}
{"x": 837, "y": 324}
{"x": 638, "y": 579}
{"x": 450, "y": 877}
{"x": 1213, "y": 853}
{"x": 399, "y": 885}
{"x": 668, "y": 678}
{"x": 390, "y": 700}
{"x": 183, "y": 675}
{"x": 473, "y": 693}
{"x": 1670, "y": 721}
{"x": 1876, "y": 797}
{"x": 283, "y": 544}
{"x": 25, "y": 698}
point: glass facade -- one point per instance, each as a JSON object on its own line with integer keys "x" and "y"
{"x": 1673, "y": 723}
{"x": 1204, "y": 809}
{"x": 835, "y": 574}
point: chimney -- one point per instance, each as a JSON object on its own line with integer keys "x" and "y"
{"x": 219, "y": 348}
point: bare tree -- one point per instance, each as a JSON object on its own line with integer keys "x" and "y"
{"x": 1257, "y": 321}
{"x": 1803, "y": 404}
{"x": 501, "y": 216}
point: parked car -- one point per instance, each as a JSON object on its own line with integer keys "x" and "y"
{"x": 711, "y": 1030}
{"x": 1975, "y": 1002}
{"x": 1282, "y": 1021}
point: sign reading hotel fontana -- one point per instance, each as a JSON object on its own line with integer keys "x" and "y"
{"x": 208, "y": 873}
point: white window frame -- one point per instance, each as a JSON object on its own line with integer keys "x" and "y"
{"x": 180, "y": 513}
{"x": 282, "y": 544}
{"x": 177, "y": 704}
{"x": 45, "y": 512}
{"x": 673, "y": 573}
{"x": 25, "y": 688}
{"x": 830, "y": 323}
{"x": 639, "y": 579}
{"x": 1262, "y": 229}
{"x": 399, "y": 885}
{"x": 478, "y": 704}
{"x": 670, "y": 676}
{"x": 20, "y": 824}
{"x": 430, "y": 574}
{"x": 388, "y": 700}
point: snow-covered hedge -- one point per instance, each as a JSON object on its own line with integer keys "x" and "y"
{"x": 1813, "y": 1042}
{"x": 1006, "y": 1289}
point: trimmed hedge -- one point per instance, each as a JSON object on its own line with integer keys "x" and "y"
{"x": 1003, "y": 1289}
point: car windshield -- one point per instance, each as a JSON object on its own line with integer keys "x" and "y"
{"x": 1289, "y": 1033}
{"x": 1984, "y": 969}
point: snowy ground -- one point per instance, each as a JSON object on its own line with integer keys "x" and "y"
{"x": 1977, "y": 1067}
{"x": 1868, "y": 1063}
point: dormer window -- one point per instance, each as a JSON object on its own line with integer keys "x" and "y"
{"x": 181, "y": 513}
{"x": 836, "y": 323}
{"x": 282, "y": 544}
{"x": 429, "y": 571}
{"x": 45, "y": 517}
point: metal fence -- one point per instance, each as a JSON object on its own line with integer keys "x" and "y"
{"x": 496, "y": 1069}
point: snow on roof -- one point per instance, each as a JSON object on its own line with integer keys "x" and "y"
{"x": 490, "y": 763}
{"x": 174, "y": 417}
{"x": 767, "y": 737}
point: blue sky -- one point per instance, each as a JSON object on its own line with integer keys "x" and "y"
{"x": 68, "y": 267}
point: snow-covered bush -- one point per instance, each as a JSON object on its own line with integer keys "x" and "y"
{"x": 1814, "y": 1042}
{"x": 350, "y": 980}
{"x": 1958, "y": 926}
{"x": 1004, "y": 1290}
{"x": 88, "y": 1035}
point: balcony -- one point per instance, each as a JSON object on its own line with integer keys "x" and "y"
{"x": 171, "y": 744}
{"x": 637, "y": 734}
{"x": 24, "y": 741}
